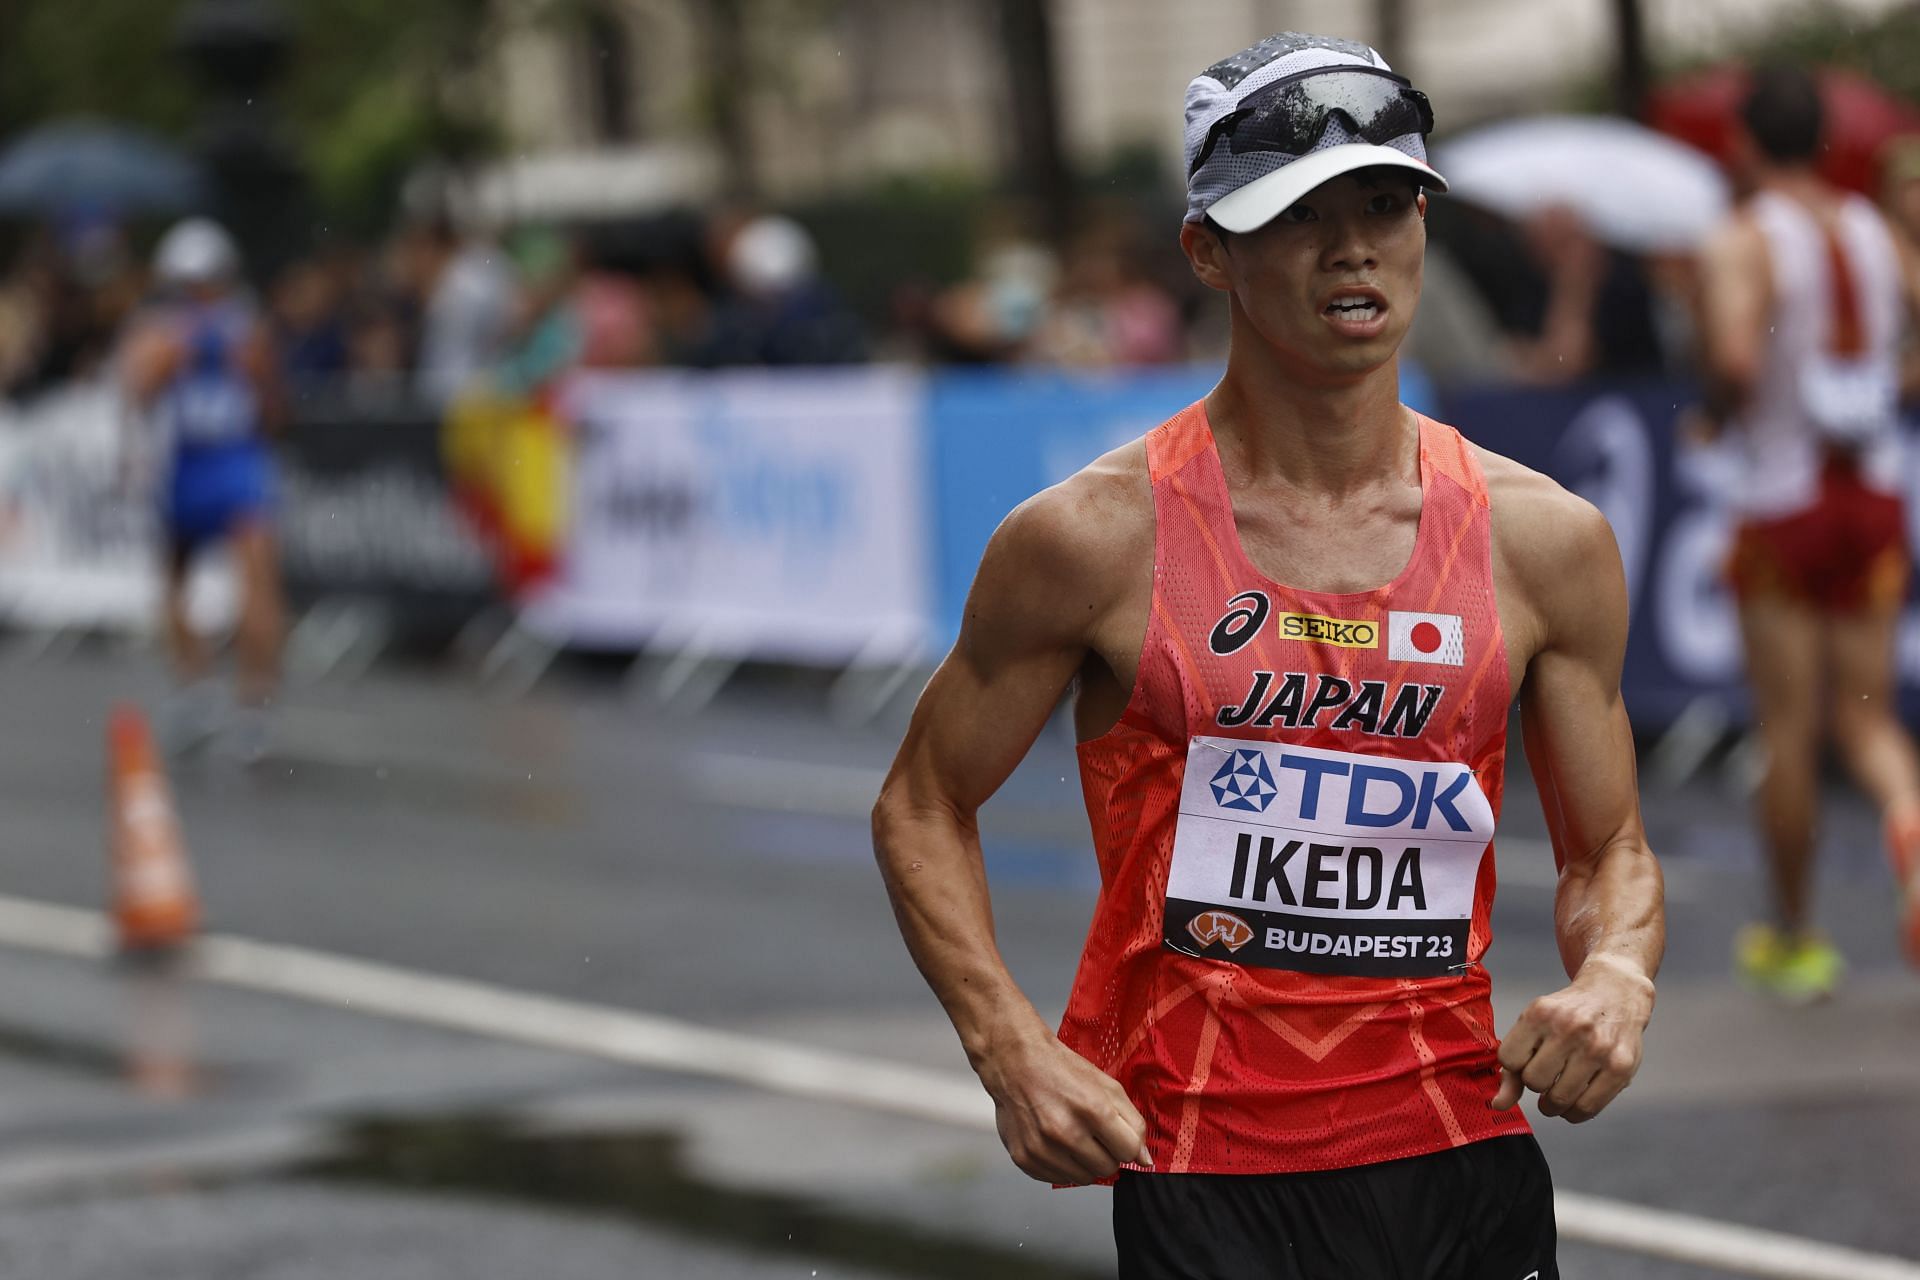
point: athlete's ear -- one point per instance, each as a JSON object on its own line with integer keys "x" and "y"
{"x": 1207, "y": 255}
{"x": 1420, "y": 203}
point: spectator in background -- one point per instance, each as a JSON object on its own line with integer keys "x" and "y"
{"x": 612, "y": 310}
{"x": 1900, "y": 186}
{"x": 1567, "y": 305}
{"x": 62, "y": 323}
{"x": 1900, "y": 203}
{"x": 381, "y": 307}
{"x": 994, "y": 316}
{"x": 1455, "y": 337}
{"x": 1106, "y": 312}
{"x": 777, "y": 309}
{"x": 683, "y": 311}
{"x": 310, "y": 324}
{"x": 545, "y": 338}
{"x": 467, "y": 292}
{"x": 25, "y": 301}
{"x": 379, "y": 355}
{"x": 1562, "y": 345}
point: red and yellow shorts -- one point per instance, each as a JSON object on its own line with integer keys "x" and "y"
{"x": 1847, "y": 553}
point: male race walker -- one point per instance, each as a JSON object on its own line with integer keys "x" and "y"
{"x": 1295, "y": 616}
{"x": 200, "y": 368}
{"x": 1806, "y": 294}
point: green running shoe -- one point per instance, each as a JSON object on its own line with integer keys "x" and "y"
{"x": 1796, "y": 970}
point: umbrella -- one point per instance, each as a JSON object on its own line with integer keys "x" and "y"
{"x": 1860, "y": 119}
{"x": 1633, "y": 188}
{"x": 92, "y": 165}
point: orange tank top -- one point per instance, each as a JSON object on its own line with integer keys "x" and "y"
{"x": 1294, "y": 821}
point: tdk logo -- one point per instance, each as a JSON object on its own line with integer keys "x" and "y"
{"x": 1381, "y": 795}
{"x": 1244, "y": 782}
{"x": 1307, "y": 788}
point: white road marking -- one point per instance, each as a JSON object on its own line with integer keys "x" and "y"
{"x": 796, "y": 786}
{"x": 1724, "y": 1246}
{"x": 668, "y": 1044}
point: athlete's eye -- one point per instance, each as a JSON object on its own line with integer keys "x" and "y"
{"x": 1386, "y": 202}
{"x": 1298, "y": 214}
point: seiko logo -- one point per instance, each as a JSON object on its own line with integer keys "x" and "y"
{"x": 1345, "y": 633}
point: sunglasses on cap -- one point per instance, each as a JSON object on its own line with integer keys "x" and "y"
{"x": 1290, "y": 114}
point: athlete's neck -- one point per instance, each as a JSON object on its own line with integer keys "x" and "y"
{"x": 1799, "y": 183}
{"x": 1330, "y": 438}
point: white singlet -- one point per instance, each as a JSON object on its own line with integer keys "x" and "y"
{"x": 1808, "y": 397}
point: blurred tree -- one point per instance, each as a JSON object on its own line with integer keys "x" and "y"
{"x": 104, "y": 57}
{"x": 372, "y": 86}
{"x": 1887, "y": 49}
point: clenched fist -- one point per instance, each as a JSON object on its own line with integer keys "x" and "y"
{"x": 1060, "y": 1117}
{"x": 1579, "y": 1047}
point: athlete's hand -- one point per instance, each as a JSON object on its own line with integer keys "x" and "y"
{"x": 1061, "y": 1118}
{"x": 1579, "y": 1047}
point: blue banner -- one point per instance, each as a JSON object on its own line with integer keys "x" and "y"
{"x": 1000, "y": 436}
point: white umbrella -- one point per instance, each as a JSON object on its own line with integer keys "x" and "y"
{"x": 1635, "y": 189}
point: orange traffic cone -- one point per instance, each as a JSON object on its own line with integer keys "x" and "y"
{"x": 153, "y": 898}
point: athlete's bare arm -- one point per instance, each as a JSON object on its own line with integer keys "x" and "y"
{"x": 153, "y": 356}
{"x": 1564, "y": 592}
{"x": 1053, "y": 593}
{"x": 1735, "y": 300}
{"x": 257, "y": 361}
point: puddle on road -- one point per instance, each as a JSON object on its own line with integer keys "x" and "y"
{"x": 644, "y": 1176}
{"x": 155, "y": 1050}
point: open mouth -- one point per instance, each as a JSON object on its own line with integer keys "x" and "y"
{"x": 1354, "y": 307}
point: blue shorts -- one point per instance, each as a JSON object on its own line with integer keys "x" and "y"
{"x": 215, "y": 490}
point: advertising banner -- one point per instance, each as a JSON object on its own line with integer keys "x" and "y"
{"x": 1001, "y": 436}
{"x": 775, "y": 515}
{"x": 1669, "y": 502}
{"x": 366, "y": 512}
{"x": 78, "y": 531}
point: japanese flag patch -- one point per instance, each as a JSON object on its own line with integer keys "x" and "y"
{"x": 1426, "y": 637}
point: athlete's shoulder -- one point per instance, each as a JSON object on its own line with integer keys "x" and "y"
{"x": 1558, "y": 554}
{"x": 1739, "y": 242}
{"x": 1107, "y": 496}
{"x": 1536, "y": 513}
{"x": 1073, "y": 549}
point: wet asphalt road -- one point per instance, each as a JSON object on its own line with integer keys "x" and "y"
{"x": 583, "y": 843}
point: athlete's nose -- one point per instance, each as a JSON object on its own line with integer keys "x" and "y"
{"x": 1348, "y": 245}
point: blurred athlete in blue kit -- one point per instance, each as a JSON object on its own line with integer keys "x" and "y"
{"x": 199, "y": 366}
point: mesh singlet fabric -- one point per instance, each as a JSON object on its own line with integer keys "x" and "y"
{"x": 1241, "y": 1069}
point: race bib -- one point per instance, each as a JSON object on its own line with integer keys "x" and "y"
{"x": 1325, "y": 862}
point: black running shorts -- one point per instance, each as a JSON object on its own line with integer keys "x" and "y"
{"x": 1479, "y": 1212}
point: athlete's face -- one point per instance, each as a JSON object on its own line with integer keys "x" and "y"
{"x": 1330, "y": 285}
